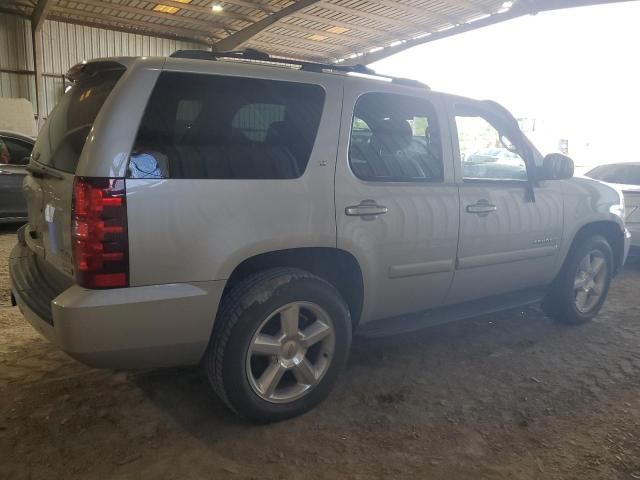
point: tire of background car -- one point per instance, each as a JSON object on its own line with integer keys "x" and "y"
{"x": 580, "y": 290}
{"x": 264, "y": 366}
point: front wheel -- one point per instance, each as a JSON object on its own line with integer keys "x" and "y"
{"x": 581, "y": 288}
{"x": 282, "y": 336}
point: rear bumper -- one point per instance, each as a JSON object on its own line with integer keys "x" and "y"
{"x": 137, "y": 327}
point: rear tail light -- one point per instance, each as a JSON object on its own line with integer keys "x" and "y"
{"x": 99, "y": 232}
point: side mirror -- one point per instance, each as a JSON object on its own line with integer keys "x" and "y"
{"x": 557, "y": 166}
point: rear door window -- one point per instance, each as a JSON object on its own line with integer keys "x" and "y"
{"x": 218, "y": 127}
{"x": 70, "y": 122}
{"x": 395, "y": 138}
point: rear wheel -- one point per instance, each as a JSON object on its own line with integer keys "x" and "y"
{"x": 280, "y": 341}
{"x": 581, "y": 288}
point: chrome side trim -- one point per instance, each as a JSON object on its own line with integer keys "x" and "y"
{"x": 508, "y": 257}
{"x": 424, "y": 268}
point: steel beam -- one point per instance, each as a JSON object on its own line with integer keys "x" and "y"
{"x": 234, "y": 40}
{"x": 40, "y": 12}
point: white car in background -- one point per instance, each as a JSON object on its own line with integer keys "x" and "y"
{"x": 625, "y": 177}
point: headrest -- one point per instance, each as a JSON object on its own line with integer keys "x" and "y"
{"x": 391, "y": 135}
{"x": 276, "y": 132}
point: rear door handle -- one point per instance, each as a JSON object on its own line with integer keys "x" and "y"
{"x": 481, "y": 208}
{"x": 366, "y": 208}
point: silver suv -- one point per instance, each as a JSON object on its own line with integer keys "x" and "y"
{"x": 251, "y": 213}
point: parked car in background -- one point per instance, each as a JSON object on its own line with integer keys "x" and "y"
{"x": 492, "y": 155}
{"x": 229, "y": 210}
{"x": 16, "y": 115}
{"x": 15, "y": 149}
{"x": 626, "y": 177}
{"x": 494, "y": 163}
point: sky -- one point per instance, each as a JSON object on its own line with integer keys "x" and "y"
{"x": 575, "y": 71}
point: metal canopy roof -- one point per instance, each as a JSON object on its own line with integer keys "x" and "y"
{"x": 350, "y": 31}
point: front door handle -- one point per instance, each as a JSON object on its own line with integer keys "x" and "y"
{"x": 366, "y": 209}
{"x": 12, "y": 172}
{"x": 481, "y": 208}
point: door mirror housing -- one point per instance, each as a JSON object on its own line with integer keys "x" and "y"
{"x": 557, "y": 166}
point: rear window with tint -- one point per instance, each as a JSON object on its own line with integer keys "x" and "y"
{"x": 218, "y": 127}
{"x": 70, "y": 122}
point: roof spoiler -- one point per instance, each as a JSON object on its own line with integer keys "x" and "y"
{"x": 88, "y": 69}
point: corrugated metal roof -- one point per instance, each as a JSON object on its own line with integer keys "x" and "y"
{"x": 64, "y": 45}
{"x": 327, "y": 30}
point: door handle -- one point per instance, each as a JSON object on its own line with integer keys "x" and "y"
{"x": 366, "y": 208}
{"x": 12, "y": 172}
{"x": 481, "y": 208}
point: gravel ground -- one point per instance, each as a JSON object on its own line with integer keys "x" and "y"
{"x": 508, "y": 396}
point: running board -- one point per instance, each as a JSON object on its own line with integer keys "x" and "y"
{"x": 450, "y": 313}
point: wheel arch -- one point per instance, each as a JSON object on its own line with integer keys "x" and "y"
{"x": 338, "y": 267}
{"x": 610, "y": 230}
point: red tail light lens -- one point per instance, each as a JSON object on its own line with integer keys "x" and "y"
{"x": 99, "y": 232}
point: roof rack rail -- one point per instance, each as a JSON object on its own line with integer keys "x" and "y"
{"x": 257, "y": 56}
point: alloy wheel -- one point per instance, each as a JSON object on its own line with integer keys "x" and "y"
{"x": 590, "y": 281}
{"x": 290, "y": 352}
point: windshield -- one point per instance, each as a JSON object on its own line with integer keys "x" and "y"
{"x": 623, "y": 174}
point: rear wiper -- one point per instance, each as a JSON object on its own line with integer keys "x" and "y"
{"x": 42, "y": 172}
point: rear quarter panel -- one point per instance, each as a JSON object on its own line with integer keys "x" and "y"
{"x": 106, "y": 151}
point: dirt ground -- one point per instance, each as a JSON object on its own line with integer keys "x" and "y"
{"x": 509, "y": 396}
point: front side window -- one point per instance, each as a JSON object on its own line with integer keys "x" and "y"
{"x": 486, "y": 153}
{"x": 217, "y": 127}
{"x": 395, "y": 138}
{"x": 14, "y": 152}
{"x": 5, "y": 157}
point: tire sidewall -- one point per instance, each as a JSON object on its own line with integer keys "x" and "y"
{"x": 239, "y": 392}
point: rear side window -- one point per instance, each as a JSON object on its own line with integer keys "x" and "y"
{"x": 70, "y": 122}
{"x": 395, "y": 138}
{"x": 217, "y": 127}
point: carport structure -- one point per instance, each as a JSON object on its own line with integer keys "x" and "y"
{"x": 322, "y": 30}
{"x": 349, "y": 31}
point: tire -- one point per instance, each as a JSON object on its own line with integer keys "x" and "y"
{"x": 562, "y": 301}
{"x": 260, "y": 305}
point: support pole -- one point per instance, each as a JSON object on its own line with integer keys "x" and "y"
{"x": 38, "y": 60}
{"x": 38, "y": 17}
